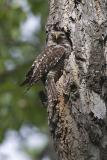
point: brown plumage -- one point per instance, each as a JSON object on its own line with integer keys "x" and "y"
{"x": 48, "y": 59}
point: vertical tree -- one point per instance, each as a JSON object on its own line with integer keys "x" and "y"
{"x": 78, "y": 121}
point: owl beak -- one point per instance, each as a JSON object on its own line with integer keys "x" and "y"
{"x": 57, "y": 35}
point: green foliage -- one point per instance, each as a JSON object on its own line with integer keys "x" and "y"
{"x": 18, "y": 107}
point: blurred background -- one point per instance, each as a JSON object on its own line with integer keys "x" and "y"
{"x": 23, "y": 120}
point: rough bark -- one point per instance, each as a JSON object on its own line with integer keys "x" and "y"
{"x": 78, "y": 123}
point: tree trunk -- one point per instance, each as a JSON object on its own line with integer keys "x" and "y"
{"x": 78, "y": 123}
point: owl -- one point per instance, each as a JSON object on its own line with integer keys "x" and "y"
{"x": 49, "y": 58}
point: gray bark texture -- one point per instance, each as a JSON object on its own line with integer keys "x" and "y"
{"x": 78, "y": 122}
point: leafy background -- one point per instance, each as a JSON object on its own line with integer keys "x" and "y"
{"x": 22, "y": 37}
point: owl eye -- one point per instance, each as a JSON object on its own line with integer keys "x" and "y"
{"x": 62, "y": 34}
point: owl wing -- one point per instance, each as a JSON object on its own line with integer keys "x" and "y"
{"x": 44, "y": 62}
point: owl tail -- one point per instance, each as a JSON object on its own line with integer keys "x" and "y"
{"x": 28, "y": 80}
